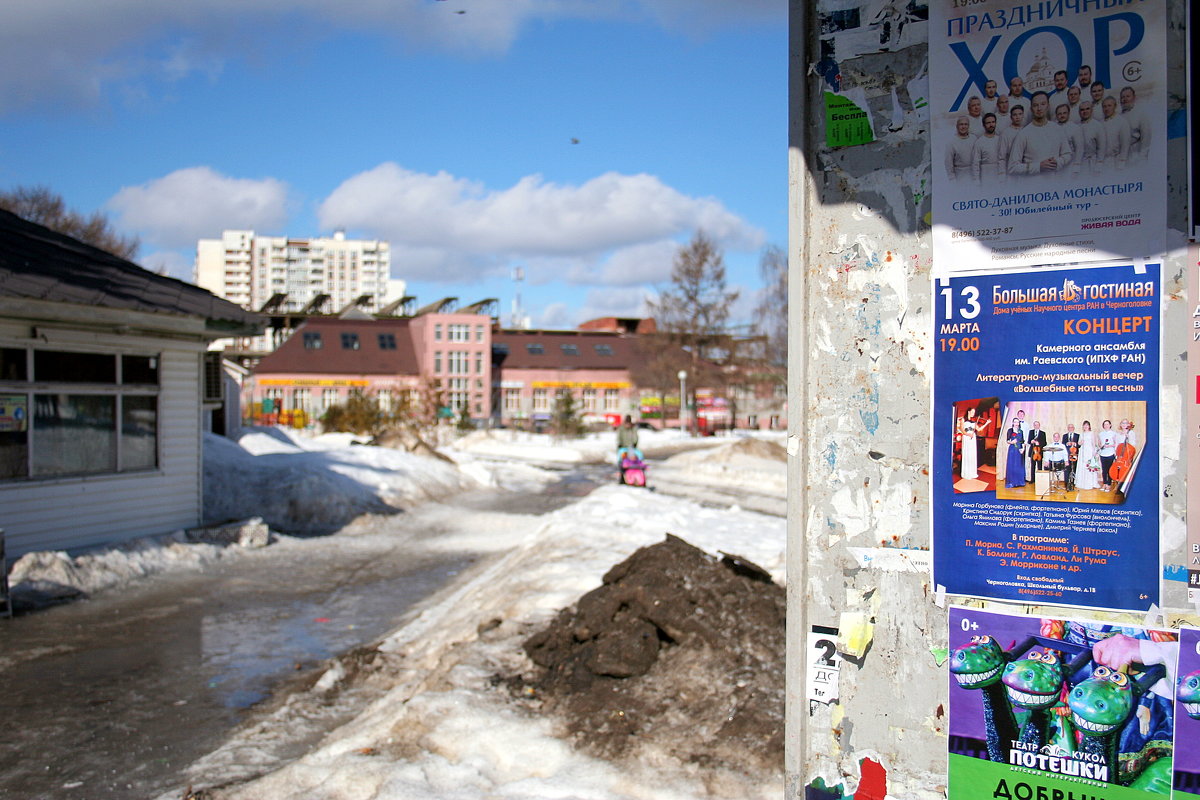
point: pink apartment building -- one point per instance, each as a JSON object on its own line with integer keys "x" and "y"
{"x": 532, "y": 367}
{"x": 505, "y": 377}
{"x": 328, "y": 358}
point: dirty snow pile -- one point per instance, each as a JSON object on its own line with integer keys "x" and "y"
{"x": 446, "y": 726}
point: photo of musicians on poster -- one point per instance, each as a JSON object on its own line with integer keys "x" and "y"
{"x": 1045, "y": 435}
{"x": 1084, "y": 452}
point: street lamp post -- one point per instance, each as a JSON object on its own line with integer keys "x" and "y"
{"x": 683, "y": 401}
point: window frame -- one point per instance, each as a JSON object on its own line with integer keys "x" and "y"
{"x": 31, "y": 462}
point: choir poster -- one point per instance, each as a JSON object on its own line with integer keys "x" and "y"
{"x": 1187, "y": 717}
{"x": 1057, "y": 708}
{"x": 1049, "y": 127}
{"x": 1045, "y": 434}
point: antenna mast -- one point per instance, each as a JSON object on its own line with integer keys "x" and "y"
{"x": 518, "y": 316}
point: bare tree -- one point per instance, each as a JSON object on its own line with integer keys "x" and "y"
{"x": 692, "y": 314}
{"x": 771, "y": 314}
{"x": 39, "y": 204}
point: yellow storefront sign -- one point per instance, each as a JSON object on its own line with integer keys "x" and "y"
{"x": 311, "y": 382}
{"x": 578, "y": 385}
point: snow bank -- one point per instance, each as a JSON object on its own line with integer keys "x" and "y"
{"x": 316, "y": 485}
{"x": 753, "y": 465}
{"x": 593, "y": 448}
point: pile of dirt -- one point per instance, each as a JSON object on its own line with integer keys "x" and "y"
{"x": 678, "y": 652}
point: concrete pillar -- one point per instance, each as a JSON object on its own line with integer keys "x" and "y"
{"x": 860, "y": 362}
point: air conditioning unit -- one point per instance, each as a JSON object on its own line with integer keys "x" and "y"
{"x": 214, "y": 378}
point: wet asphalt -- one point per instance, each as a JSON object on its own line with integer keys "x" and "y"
{"x": 112, "y": 696}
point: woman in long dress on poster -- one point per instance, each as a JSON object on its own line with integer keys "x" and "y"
{"x": 1014, "y": 464}
{"x": 1087, "y": 470}
{"x": 970, "y": 445}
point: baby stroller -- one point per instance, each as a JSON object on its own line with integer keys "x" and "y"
{"x": 633, "y": 468}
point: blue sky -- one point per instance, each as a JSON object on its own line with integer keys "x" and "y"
{"x": 448, "y": 134}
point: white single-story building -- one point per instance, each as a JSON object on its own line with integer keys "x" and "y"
{"x": 102, "y": 392}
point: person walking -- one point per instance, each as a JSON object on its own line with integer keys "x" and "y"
{"x": 627, "y": 435}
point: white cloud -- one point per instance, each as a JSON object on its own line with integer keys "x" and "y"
{"x": 168, "y": 262}
{"x": 631, "y": 266}
{"x": 198, "y": 203}
{"x": 476, "y": 228}
{"x": 555, "y": 316}
{"x": 597, "y": 303}
{"x": 57, "y": 53}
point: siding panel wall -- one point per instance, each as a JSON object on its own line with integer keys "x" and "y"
{"x": 69, "y": 514}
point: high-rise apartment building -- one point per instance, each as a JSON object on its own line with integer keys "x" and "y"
{"x": 249, "y": 270}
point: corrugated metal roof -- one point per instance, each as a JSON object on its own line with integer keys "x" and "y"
{"x": 40, "y": 264}
{"x": 333, "y": 359}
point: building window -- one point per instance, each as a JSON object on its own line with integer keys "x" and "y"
{"x": 51, "y": 365}
{"x": 437, "y": 362}
{"x": 604, "y": 350}
{"x": 103, "y": 419}
{"x": 612, "y": 399}
{"x": 387, "y": 341}
{"x": 512, "y": 401}
{"x": 589, "y": 399}
{"x": 569, "y": 349}
{"x": 329, "y": 399}
{"x": 303, "y": 400}
{"x": 479, "y": 333}
{"x": 541, "y": 400}
{"x": 139, "y": 432}
{"x": 384, "y": 396}
{"x": 479, "y": 363}
{"x": 312, "y": 341}
{"x": 534, "y": 349}
{"x": 437, "y": 333}
{"x": 458, "y": 393}
{"x": 349, "y": 341}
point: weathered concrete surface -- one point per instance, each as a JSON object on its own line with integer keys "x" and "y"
{"x": 859, "y": 421}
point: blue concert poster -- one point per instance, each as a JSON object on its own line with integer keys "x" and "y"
{"x": 1060, "y": 708}
{"x": 1187, "y": 717}
{"x": 1045, "y": 456}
